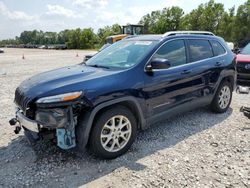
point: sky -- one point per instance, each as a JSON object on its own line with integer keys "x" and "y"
{"x": 56, "y": 15}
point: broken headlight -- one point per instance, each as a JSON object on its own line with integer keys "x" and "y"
{"x": 52, "y": 118}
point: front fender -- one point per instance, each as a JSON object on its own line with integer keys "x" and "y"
{"x": 86, "y": 120}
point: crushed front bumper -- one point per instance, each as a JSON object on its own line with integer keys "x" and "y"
{"x": 31, "y": 127}
{"x": 27, "y": 123}
{"x": 56, "y": 125}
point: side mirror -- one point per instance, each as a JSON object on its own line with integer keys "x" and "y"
{"x": 158, "y": 63}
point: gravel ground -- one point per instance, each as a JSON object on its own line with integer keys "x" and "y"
{"x": 196, "y": 149}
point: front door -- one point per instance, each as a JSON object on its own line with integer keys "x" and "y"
{"x": 168, "y": 88}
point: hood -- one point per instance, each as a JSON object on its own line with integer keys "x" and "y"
{"x": 62, "y": 80}
{"x": 243, "y": 58}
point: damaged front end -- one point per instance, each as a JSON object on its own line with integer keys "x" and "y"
{"x": 53, "y": 117}
{"x": 60, "y": 119}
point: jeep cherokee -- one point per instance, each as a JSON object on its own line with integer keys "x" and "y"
{"x": 128, "y": 86}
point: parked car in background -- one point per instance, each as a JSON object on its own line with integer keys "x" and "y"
{"x": 243, "y": 66}
{"x": 1, "y": 51}
{"x": 43, "y": 47}
{"x": 128, "y": 86}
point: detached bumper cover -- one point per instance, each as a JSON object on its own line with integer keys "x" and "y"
{"x": 26, "y": 122}
{"x": 243, "y": 79}
{"x": 246, "y": 111}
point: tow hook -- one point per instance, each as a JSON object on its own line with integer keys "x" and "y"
{"x": 17, "y": 130}
{"x": 13, "y": 122}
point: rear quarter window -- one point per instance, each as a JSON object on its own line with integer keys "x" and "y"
{"x": 217, "y": 48}
{"x": 199, "y": 49}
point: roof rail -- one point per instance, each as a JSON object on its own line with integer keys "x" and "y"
{"x": 170, "y": 33}
{"x": 130, "y": 36}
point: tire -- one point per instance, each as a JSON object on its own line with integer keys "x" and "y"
{"x": 222, "y": 98}
{"x": 107, "y": 136}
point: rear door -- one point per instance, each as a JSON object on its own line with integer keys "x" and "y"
{"x": 219, "y": 62}
{"x": 206, "y": 65}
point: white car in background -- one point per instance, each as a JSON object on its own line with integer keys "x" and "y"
{"x": 230, "y": 45}
{"x": 1, "y": 50}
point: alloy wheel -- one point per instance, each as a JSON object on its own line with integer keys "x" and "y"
{"x": 224, "y": 97}
{"x": 116, "y": 133}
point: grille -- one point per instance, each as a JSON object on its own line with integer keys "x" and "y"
{"x": 241, "y": 67}
{"x": 21, "y": 100}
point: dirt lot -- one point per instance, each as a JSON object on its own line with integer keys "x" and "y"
{"x": 196, "y": 149}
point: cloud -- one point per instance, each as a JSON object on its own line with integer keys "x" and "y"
{"x": 133, "y": 14}
{"x": 14, "y": 15}
{"x": 58, "y": 10}
{"x": 106, "y": 16}
{"x": 88, "y": 4}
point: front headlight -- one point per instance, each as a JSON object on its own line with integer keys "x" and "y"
{"x": 60, "y": 98}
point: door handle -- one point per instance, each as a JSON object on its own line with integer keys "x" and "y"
{"x": 218, "y": 64}
{"x": 186, "y": 72}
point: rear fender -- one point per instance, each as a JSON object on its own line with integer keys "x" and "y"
{"x": 229, "y": 76}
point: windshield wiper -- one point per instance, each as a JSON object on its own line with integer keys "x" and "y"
{"x": 99, "y": 66}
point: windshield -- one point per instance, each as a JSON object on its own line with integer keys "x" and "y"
{"x": 122, "y": 54}
{"x": 246, "y": 50}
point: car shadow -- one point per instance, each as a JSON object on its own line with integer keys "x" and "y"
{"x": 54, "y": 166}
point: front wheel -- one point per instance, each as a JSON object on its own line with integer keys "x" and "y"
{"x": 222, "y": 98}
{"x": 113, "y": 133}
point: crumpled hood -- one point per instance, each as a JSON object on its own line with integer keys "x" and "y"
{"x": 62, "y": 80}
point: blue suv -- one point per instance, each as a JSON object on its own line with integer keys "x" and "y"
{"x": 126, "y": 87}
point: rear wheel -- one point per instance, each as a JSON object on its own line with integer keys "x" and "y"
{"x": 113, "y": 133}
{"x": 222, "y": 98}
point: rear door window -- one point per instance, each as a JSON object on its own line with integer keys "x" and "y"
{"x": 199, "y": 49}
{"x": 217, "y": 48}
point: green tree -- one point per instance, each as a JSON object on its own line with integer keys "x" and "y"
{"x": 168, "y": 19}
{"x": 74, "y": 39}
{"x": 242, "y": 23}
{"x": 25, "y": 37}
{"x": 227, "y": 25}
{"x": 87, "y": 39}
{"x": 206, "y": 17}
{"x": 150, "y": 21}
{"x": 63, "y": 37}
{"x": 106, "y": 31}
